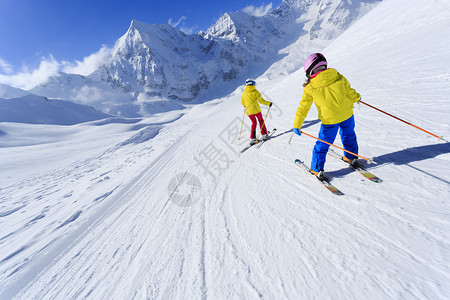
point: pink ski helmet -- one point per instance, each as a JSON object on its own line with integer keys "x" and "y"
{"x": 314, "y": 61}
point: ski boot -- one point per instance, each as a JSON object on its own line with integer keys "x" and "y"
{"x": 353, "y": 162}
{"x": 320, "y": 175}
{"x": 253, "y": 141}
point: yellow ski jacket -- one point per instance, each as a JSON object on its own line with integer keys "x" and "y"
{"x": 250, "y": 98}
{"x": 332, "y": 95}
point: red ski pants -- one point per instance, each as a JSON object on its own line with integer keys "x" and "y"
{"x": 254, "y": 123}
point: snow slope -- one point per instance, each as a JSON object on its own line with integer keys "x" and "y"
{"x": 166, "y": 208}
{"x": 8, "y": 92}
{"x": 40, "y": 110}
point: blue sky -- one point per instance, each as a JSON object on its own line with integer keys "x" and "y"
{"x": 33, "y": 32}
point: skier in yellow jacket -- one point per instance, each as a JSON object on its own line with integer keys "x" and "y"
{"x": 250, "y": 98}
{"x": 334, "y": 99}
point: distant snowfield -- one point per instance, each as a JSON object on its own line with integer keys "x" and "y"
{"x": 166, "y": 208}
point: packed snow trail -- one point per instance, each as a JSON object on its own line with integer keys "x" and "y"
{"x": 116, "y": 221}
{"x": 262, "y": 229}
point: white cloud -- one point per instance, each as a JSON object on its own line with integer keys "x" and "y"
{"x": 187, "y": 30}
{"x": 258, "y": 11}
{"x": 89, "y": 64}
{"x": 5, "y": 67}
{"x": 88, "y": 95}
{"x": 27, "y": 79}
{"x": 178, "y": 22}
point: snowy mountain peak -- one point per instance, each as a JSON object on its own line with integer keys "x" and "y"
{"x": 135, "y": 24}
{"x": 162, "y": 62}
{"x": 323, "y": 19}
{"x": 224, "y": 28}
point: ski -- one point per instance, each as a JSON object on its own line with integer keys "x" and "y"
{"x": 358, "y": 168}
{"x": 269, "y": 136}
{"x": 258, "y": 142}
{"x": 248, "y": 147}
{"x": 325, "y": 183}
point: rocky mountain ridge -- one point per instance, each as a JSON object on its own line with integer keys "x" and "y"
{"x": 159, "y": 62}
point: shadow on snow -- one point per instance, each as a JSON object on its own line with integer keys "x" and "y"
{"x": 405, "y": 157}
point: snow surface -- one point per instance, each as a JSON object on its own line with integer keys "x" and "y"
{"x": 8, "y": 92}
{"x": 165, "y": 208}
{"x": 40, "y": 110}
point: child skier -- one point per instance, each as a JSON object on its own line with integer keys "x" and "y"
{"x": 250, "y": 98}
{"x": 334, "y": 99}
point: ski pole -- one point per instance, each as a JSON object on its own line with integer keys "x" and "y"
{"x": 290, "y": 139}
{"x": 369, "y": 160}
{"x": 242, "y": 125}
{"x": 264, "y": 123}
{"x": 439, "y": 137}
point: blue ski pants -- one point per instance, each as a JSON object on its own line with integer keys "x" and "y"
{"x": 328, "y": 133}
